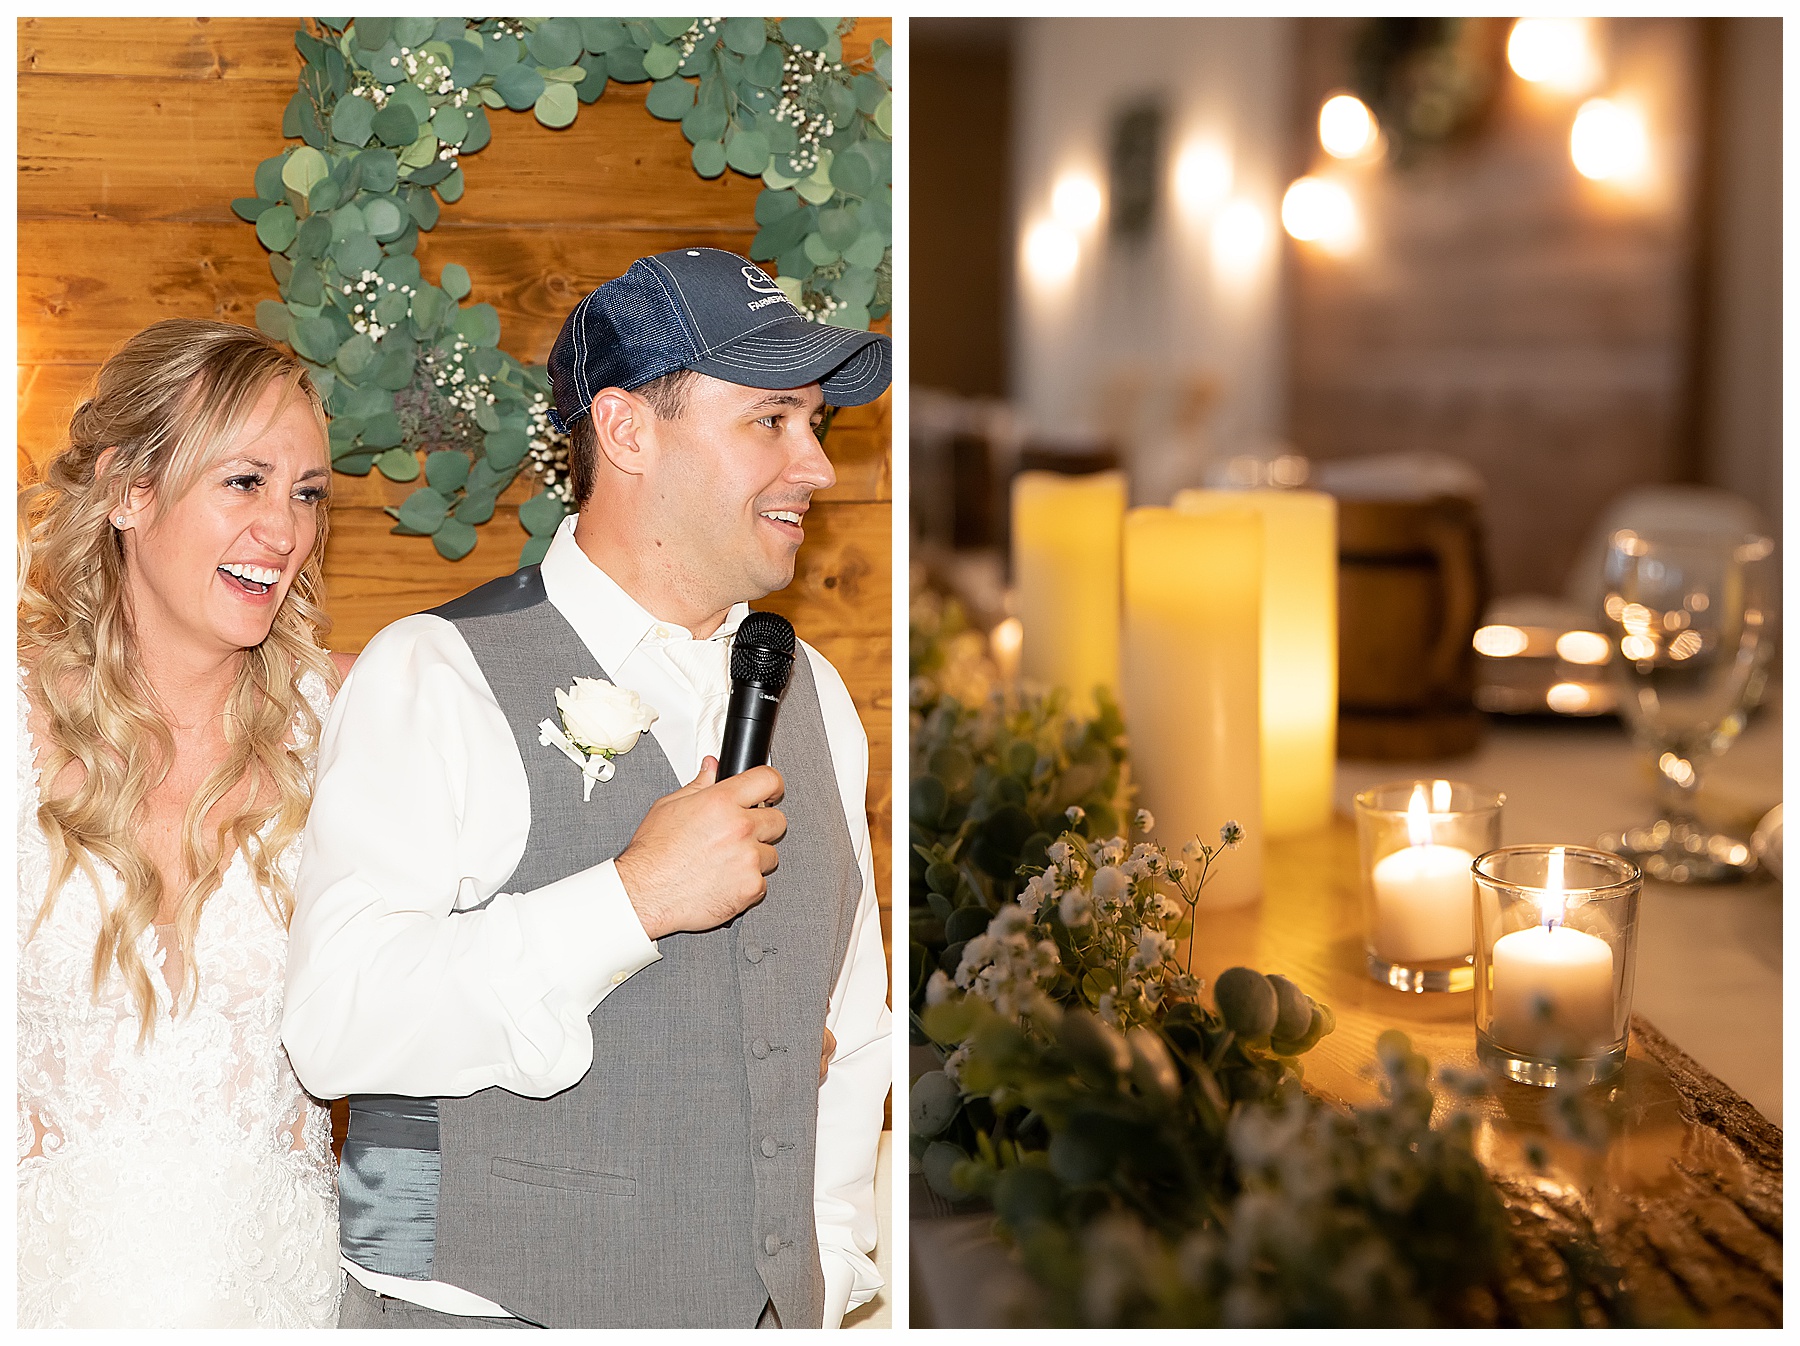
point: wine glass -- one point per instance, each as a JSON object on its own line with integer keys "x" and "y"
{"x": 1691, "y": 621}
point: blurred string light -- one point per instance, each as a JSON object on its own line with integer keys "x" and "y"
{"x": 1558, "y": 53}
{"x": 1609, "y": 142}
{"x": 1076, "y": 201}
{"x": 1346, "y": 127}
{"x": 1051, "y": 253}
{"x": 1318, "y": 210}
{"x": 1203, "y": 174}
{"x": 1240, "y": 237}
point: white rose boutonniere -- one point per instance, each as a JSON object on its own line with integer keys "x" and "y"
{"x": 599, "y": 722}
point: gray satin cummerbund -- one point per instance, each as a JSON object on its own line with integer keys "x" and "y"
{"x": 388, "y": 1185}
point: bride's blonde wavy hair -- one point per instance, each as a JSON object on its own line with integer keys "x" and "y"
{"x": 163, "y": 410}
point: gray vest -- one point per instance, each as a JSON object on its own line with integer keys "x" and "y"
{"x": 673, "y": 1185}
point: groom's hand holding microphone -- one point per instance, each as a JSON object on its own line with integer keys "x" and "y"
{"x": 701, "y": 854}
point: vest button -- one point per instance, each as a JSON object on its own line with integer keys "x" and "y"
{"x": 771, "y": 1245}
{"x": 759, "y": 1048}
{"x": 753, "y": 954}
{"x": 769, "y": 1147}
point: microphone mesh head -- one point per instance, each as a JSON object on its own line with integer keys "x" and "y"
{"x": 763, "y": 650}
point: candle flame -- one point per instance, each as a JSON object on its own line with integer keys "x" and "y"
{"x": 1440, "y": 796}
{"x": 1418, "y": 818}
{"x": 1551, "y": 900}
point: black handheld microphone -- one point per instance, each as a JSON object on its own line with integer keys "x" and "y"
{"x": 762, "y": 657}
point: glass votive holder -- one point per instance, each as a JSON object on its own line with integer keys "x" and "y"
{"x": 1555, "y": 958}
{"x": 1419, "y": 840}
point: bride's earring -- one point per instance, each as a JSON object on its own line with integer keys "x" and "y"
{"x": 119, "y": 522}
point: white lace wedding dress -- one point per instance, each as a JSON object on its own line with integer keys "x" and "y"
{"x": 186, "y": 1184}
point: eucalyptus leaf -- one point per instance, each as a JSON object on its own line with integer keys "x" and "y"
{"x": 661, "y": 61}
{"x": 316, "y": 339}
{"x": 814, "y": 192}
{"x": 454, "y": 539}
{"x": 455, "y": 280}
{"x": 414, "y": 31}
{"x": 506, "y": 448}
{"x": 353, "y": 121}
{"x": 423, "y": 208}
{"x": 451, "y": 188}
{"x": 479, "y": 325}
{"x": 477, "y": 506}
{"x": 541, "y": 514}
{"x": 884, "y": 116}
{"x": 602, "y": 35}
{"x": 702, "y": 122}
{"x": 669, "y": 99}
{"x": 354, "y": 464}
{"x": 348, "y": 220}
{"x": 853, "y": 316}
{"x": 355, "y": 355}
{"x": 323, "y": 196}
{"x": 428, "y": 308}
{"x": 839, "y": 226}
{"x": 804, "y": 32}
{"x": 398, "y": 465}
{"x": 395, "y": 125}
{"x": 533, "y": 551}
{"x": 356, "y": 254}
{"x": 391, "y": 309}
{"x": 867, "y": 251}
{"x": 764, "y": 68}
{"x": 379, "y": 169}
{"x": 748, "y": 152}
{"x": 556, "y": 106}
{"x": 383, "y": 217}
{"x": 395, "y": 370}
{"x": 519, "y": 85}
{"x": 818, "y": 251}
{"x": 708, "y": 158}
{"x": 626, "y": 64}
{"x": 425, "y": 508}
{"x": 276, "y": 227}
{"x": 673, "y": 27}
{"x": 593, "y": 83}
{"x": 274, "y": 319}
{"x": 304, "y": 285}
{"x": 555, "y": 42}
{"x": 268, "y": 177}
{"x": 421, "y": 152}
{"x": 382, "y": 430}
{"x": 250, "y": 208}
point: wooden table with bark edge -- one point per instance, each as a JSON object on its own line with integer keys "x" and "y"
{"x": 1683, "y": 1198}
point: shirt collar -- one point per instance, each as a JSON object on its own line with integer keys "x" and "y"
{"x": 610, "y": 622}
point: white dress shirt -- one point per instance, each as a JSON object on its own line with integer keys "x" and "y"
{"x": 421, "y": 806}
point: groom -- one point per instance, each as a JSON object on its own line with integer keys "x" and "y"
{"x": 582, "y": 1036}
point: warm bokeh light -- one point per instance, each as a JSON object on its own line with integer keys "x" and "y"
{"x": 1076, "y": 201}
{"x": 1202, "y": 177}
{"x": 1686, "y": 645}
{"x": 1346, "y": 126}
{"x": 1609, "y": 143}
{"x": 1051, "y": 253}
{"x": 1638, "y": 647}
{"x": 1583, "y": 647}
{"x": 1005, "y": 642}
{"x": 1556, "y": 52}
{"x": 1568, "y": 698}
{"x": 1500, "y": 642}
{"x": 1240, "y": 235}
{"x": 1317, "y": 210}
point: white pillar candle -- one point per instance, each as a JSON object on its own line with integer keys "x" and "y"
{"x": 1065, "y": 549}
{"x": 1424, "y": 905}
{"x": 1299, "y": 650}
{"x": 1193, "y": 601}
{"x": 1553, "y": 986}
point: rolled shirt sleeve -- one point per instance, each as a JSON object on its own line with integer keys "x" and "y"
{"x": 420, "y": 797}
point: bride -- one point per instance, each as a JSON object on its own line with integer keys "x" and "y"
{"x": 172, "y": 1172}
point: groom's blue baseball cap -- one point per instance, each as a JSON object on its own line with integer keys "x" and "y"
{"x": 715, "y": 313}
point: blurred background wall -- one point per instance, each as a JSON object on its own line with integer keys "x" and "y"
{"x": 1098, "y": 213}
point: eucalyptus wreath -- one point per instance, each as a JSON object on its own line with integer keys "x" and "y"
{"x": 384, "y": 112}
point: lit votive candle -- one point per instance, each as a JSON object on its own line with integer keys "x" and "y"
{"x": 1555, "y": 943}
{"x": 1419, "y": 843}
{"x": 1553, "y": 985}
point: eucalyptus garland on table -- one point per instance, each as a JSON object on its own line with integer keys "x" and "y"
{"x": 1154, "y": 1160}
{"x": 385, "y": 110}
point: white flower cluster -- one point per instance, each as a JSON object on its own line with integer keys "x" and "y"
{"x": 370, "y": 286}
{"x": 701, "y": 30}
{"x": 425, "y": 69}
{"x": 798, "y": 71}
{"x": 1008, "y": 965}
{"x": 465, "y": 389}
{"x": 548, "y": 453}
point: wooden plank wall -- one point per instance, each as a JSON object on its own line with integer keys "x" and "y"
{"x": 135, "y": 135}
{"x": 1505, "y": 310}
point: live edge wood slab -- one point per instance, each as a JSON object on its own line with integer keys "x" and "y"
{"x": 1667, "y": 1212}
